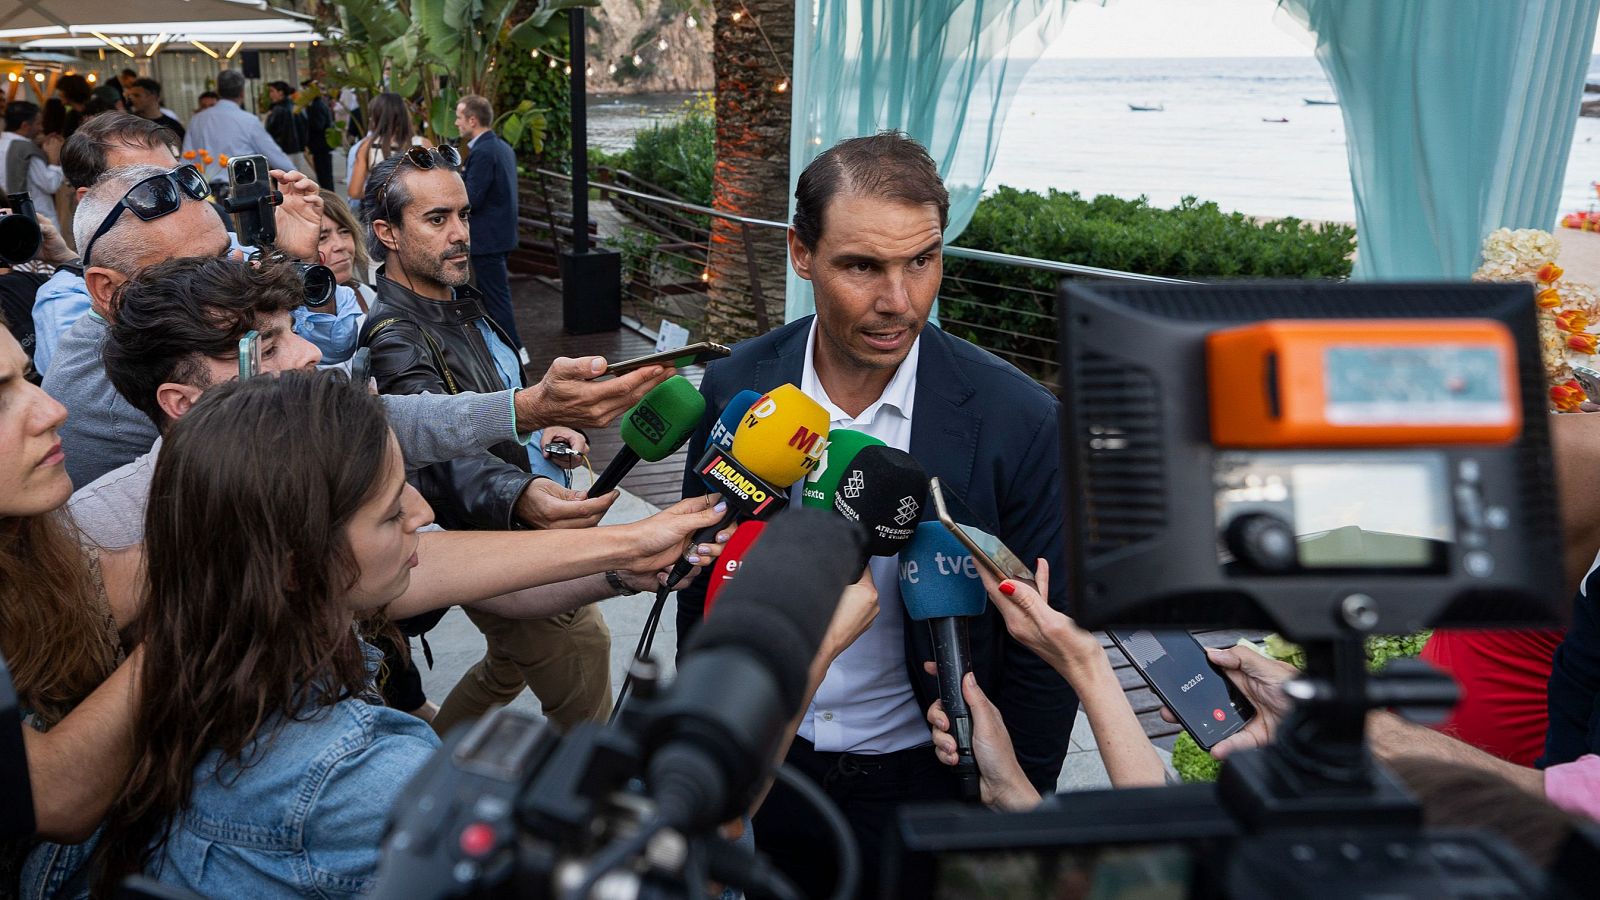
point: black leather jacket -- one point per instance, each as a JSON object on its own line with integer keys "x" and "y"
{"x": 475, "y": 492}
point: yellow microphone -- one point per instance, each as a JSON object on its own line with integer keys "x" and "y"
{"x": 782, "y": 436}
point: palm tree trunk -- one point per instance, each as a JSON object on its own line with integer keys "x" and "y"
{"x": 753, "y": 54}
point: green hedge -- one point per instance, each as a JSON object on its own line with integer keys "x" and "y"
{"x": 1194, "y": 240}
{"x": 679, "y": 155}
{"x": 1194, "y": 765}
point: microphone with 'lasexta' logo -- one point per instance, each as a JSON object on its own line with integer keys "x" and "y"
{"x": 653, "y": 429}
{"x": 882, "y": 490}
{"x": 843, "y": 445}
{"x": 939, "y": 585}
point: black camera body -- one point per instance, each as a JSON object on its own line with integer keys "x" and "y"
{"x": 16, "y": 793}
{"x": 20, "y": 236}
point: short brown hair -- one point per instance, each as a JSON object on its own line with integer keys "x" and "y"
{"x": 479, "y": 108}
{"x": 887, "y": 164}
{"x": 83, "y": 159}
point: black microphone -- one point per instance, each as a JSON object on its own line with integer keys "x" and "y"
{"x": 714, "y": 734}
{"x": 882, "y": 490}
{"x": 939, "y": 585}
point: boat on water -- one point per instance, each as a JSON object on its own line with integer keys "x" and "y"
{"x": 1137, "y": 107}
{"x": 1311, "y": 102}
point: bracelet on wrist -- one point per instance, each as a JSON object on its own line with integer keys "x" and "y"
{"x": 617, "y": 584}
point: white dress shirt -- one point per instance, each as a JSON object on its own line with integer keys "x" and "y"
{"x": 228, "y": 130}
{"x": 865, "y": 703}
{"x": 44, "y": 179}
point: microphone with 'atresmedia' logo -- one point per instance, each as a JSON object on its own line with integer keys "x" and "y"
{"x": 939, "y": 585}
{"x": 653, "y": 429}
{"x": 882, "y": 490}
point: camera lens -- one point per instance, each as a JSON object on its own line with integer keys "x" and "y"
{"x": 319, "y": 283}
{"x": 244, "y": 172}
{"x": 19, "y": 238}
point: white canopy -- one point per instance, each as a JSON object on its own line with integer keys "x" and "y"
{"x": 60, "y": 18}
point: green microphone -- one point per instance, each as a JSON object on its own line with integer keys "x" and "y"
{"x": 654, "y": 429}
{"x": 843, "y": 445}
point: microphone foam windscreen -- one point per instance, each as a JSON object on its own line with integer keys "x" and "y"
{"x": 883, "y": 490}
{"x": 732, "y": 414}
{"x": 663, "y": 419}
{"x": 939, "y": 577}
{"x": 727, "y": 565}
{"x": 779, "y": 606}
{"x": 781, "y": 436}
{"x": 843, "y": 445}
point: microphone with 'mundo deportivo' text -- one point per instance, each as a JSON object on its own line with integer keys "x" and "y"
{"x": 727, "y": 565}
{"x": 939, "y": 585}
{"x": 778, "y": 442}
{"x": 653, "y": 429}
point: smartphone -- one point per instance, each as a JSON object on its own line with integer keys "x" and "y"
{"x": 1175, "y": 666}
{"x": 251, "y": 196}
{"x": 249, "y": 355}
{"x": 693, "y": 355}
{"x": 361, "y": 367}
{"x": 986, "y": 549}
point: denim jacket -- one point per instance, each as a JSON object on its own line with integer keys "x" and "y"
{"x": 306, "y": 819}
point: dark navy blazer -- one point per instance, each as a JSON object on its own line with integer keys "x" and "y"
{"x": 988, "y": 432}
{"x": 491, "y": 176}
{"x": 1574, "y": 700}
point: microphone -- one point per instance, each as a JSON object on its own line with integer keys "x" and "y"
{"x": 713, "y": 736}
{"x": 654, "y": 429}
{"x": 843, "y": 445}
{"x": 882, "y": 490}
{"x": 777, "y": 442}
{"x": 939, "y": 585}
{"x": 728, "y": 422}
{"x": 727, "y": 565}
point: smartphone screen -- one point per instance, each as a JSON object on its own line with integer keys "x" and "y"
{"x": 969, "y": 529}
{"x": 1175, "y": 666}
{"x": 249, "y": 355}
{"x": 692, "y": 355}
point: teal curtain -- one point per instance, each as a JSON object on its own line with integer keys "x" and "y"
{"x": 1458, "y": 115}
{"x": 943, "y": 71}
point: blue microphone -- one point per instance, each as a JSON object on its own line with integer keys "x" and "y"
{"x": 939, "y": 585}
{"x": 727, "y": 423}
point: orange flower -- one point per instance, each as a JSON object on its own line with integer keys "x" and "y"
{"x": 1549, "y": 298}
{"x": 1567, "y": 397}
{"x": 223, "y": 159}
{"x": 1583, "y": 343}
{"x": 1573, "y": 321}
{"x": 1549, "y": 272}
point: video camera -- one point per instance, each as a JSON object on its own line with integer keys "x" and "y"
{"x": 511, "y": 808}
{"x": 20, "y": 236}
{"x": 1328, "y": 460}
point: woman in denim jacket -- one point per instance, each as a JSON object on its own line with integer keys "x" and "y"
{"x": 261, "y": 768}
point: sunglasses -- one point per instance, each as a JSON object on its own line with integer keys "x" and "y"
{"x": 424, "y": 158}
{"x": 152, "y": 198}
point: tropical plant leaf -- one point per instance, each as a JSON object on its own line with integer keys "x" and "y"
{"x": 512, "y": 129}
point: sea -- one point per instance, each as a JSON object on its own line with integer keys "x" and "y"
{"x": 1218, "y": 135}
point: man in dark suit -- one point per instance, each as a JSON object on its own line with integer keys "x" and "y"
{"x": 868, "y": 231}
{"x": 491, "y": 177}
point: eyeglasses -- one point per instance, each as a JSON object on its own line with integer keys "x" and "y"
{"x": 424, "y": 158}
{"x": 152, "y": 198}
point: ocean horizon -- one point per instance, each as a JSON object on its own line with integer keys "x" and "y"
{"x": 1070, "y": 128}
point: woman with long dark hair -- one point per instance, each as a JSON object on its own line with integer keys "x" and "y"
{"x": 391, "y": 132}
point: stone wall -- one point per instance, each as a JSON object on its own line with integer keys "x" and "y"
{"x": 622, "y": 30}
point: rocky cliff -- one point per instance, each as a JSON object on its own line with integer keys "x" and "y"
{"x": 626, "y": 40}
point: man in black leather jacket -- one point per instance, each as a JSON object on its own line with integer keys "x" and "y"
{"x": 429, "y": 333}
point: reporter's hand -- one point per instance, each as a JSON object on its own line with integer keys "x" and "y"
{"x": 545, "y": 504}
{"x": 573, "y": 439}
{"x": 568, "y": 394}
{"x": 1261, "y": 680}
{"x": 660, "y": 540}
{"x": 52, "y": 249}
{"x": 1001, "y": 781}
{"x": 652, "y": 580}
{"x": 857, "y": 609}
{"x": 299, "y": 218}
{"x": 1040, "y": 627}
{"x": 51, "y": 145}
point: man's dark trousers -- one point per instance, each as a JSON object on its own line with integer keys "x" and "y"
{"x": 493, "y": 280}
{"x": 323, "y": 162}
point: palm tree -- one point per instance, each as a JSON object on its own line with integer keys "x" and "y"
{"x": 753, "y": 53}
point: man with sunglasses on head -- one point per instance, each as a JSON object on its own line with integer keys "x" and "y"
{"x": 429, "y": 333}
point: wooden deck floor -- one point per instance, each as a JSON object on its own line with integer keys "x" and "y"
{"x": 538, "y": 310}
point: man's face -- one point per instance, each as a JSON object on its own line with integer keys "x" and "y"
{"x": 465, "y": 123}
{"x": 207, "y": 102}
{"x": 434, "y": 242}
{"x": 274, "y": 94}
{"x": 281, "y": 351}
{"x": 127, "y": 80}
{"x": 142, "y": 102}
{"x": 875, "y": 272}
{"x": 194, "y": 230}
{"x": 31, "y": 127}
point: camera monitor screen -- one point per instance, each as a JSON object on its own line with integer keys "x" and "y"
{"x": 1158, "y": 872}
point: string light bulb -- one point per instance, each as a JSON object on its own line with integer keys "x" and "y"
{"x": 612, "y": 69}
{"x": 782, "y": 86}
{"x": 638, "y": 60}
{"x": 737, "y": 15}
{"x": 552, "y": 64}
{"x": 588, "y": 71}
{"x": 691, "y": 21}
{"x": 39, "y": 77}
{"x": 92, "y": 78}
{"x": 11, "y": 76}
{"x": 567, "y": 70}
{"x": 661, "y": 44}
{"x": 536, "y": 54}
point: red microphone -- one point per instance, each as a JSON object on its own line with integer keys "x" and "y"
{"x": 727, "y": 565}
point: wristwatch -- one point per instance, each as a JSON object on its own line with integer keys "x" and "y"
{"x": 618, "y": 585}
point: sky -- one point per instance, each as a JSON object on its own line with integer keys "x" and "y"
{"x": 1175, "y": 28}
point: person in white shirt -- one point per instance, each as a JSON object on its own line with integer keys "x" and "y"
{"x": 31, "y": 166}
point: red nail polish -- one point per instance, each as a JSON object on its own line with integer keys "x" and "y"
{"x": 1007, "y": 588}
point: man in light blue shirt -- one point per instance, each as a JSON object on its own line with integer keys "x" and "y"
{"x": 227, "y": 129}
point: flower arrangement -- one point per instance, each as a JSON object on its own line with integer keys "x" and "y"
{"x": 205, "y": 157}
{"x": 1568, "y": 310}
